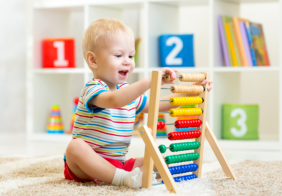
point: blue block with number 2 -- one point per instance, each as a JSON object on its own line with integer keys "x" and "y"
{"x": 176, "y": 50}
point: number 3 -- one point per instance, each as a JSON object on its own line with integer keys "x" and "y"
{"x": 240, "y": 122}
{"x": 170, "y": 59}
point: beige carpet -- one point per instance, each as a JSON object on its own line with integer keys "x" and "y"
{"x": 44, "y": 176}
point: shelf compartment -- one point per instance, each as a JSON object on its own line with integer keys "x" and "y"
{"x": 49, "y": 89}
{"x": 250, "y": 10}
{"x": 57, "y": 23}
{"x": 248, "y": 88}
{"x": 180, "y": 20}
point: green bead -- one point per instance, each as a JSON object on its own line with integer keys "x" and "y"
{"x": 188, "y": 146}
{"x": 162, "y": 148}
{"x": 177, "y": 147}
{"x": 185, "y": 146}
{"x": 172, "y": 147}
{"x": 181, "y": 147}
{"x": 168, "y": 159}
{"x": 198, "y": 144}
{"x": 188, "y": 157}
{"x": 197, "y": 155}
{"x": 194, "y": 145}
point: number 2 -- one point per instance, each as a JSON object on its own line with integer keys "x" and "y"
{"x": 60, "y": 61}
{"x": 240, "y": 122}
{"x": 170, "y": 59}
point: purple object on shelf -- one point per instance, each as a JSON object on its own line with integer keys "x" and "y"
{"x": 223, "y": 42}
{"x": 246, "y": 43}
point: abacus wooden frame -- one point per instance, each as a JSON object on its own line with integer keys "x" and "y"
{"x": 152, "y": 154}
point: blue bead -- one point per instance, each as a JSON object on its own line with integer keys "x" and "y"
{"x": 176, "y": 179}
{"x": 170, "y": 170}
{"x": 194, "y": 176}
{"x": 196, "y": 166}
{"x": 189, "y": 168}
{"x": 178, "y": 169}
{"x": 184, "y": 168}
{"x": 186, "y": 178}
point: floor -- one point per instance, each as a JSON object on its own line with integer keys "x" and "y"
{"x": 17, "y": 145}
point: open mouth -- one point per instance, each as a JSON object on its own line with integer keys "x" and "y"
{"x": 123, "y": 73}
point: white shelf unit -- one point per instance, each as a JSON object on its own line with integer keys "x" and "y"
{"x": 149, "y": 19}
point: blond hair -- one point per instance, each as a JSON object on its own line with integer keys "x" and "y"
{"x": 101, "y": 28}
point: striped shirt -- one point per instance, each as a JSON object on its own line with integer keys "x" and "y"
{"x": 107, "y": 130}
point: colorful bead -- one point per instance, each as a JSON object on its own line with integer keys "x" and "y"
{"x": 186, "y": 100}
{"x": 183, "y": 146}
{"x": 175, "y": 112}
{"x": 181, "y": 158}
{"x": 184, "y": 135}
{"x": 184, "y": 178}
{"x": 162, "y": 148}
{"x": 187, "y": 123}
{"x": 160, "y": 125}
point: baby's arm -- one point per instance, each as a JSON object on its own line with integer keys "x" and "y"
{"x": 126, "y": 95}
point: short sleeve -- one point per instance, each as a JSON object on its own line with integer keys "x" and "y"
{"x": 89, "y": 92}
{"x": 140, "y": 103}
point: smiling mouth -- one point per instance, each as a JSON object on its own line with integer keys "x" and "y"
{"x": 123, "y": 73}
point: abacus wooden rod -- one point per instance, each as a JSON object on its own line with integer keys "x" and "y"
{"x": 219, "y": 153}
{"x": 152, "y": 124}
{"x": 201, "y": 139}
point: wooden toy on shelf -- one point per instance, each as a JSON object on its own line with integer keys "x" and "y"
{"x": 148, "y": 134}
{"x": 58, "y": 53}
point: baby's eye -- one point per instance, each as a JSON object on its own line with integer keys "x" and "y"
{"x": 118, "y": 55}
{"x": 131, "y": 57}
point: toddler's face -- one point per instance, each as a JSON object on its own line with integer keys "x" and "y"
{"x": 115, "y": 58}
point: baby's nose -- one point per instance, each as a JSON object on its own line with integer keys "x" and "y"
{"x": 126, "y": 61}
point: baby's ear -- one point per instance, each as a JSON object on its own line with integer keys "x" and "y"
{"x": 91, "y": 59}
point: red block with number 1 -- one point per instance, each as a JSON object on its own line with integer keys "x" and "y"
{"x": 58, "y": 53}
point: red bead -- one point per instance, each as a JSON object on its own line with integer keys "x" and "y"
{"x": 160, "y": 125}
{"x": 199, "y": 133}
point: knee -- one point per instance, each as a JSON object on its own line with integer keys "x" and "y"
{"x": 76, "y": 148}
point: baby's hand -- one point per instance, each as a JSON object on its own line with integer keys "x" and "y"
{"x": 171, "y": 72}
{"x": 205, "y": 82}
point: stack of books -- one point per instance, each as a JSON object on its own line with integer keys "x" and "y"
{"x": 242, "y": 42}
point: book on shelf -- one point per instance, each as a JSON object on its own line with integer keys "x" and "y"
{"x": 230, "y": 44}
{"x": 248, "y": 32}
{"x": 235, "y": 48}
{"x": 226, "y": 19}
{"x": 239, "y": 41}
{"x": 259, "y": 44}
{"x": 245, "y": 41}
{"x": 223, "y": 42}
{"x": 242, "y": 42}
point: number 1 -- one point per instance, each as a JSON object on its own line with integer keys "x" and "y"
{"x": 61, "y": 61}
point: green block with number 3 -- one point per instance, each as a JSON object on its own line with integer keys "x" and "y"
{"x": 240, "y": 122}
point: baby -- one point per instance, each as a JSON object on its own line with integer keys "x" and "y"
{"x": 107, "y": 107}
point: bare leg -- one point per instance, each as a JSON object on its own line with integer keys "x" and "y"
{"x": 85, "y": 163}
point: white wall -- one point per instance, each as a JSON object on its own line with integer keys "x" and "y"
{"x": 12, "y": 65}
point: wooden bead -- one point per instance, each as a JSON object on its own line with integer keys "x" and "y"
{"x": 191, "y": 77}
{"x": 189, "y": 89}
{"x": 167, "y": 78}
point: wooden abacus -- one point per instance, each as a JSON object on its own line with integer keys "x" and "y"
{"x": 148, "y": 133}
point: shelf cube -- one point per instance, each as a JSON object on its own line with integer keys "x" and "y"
{"x": 176, "y": 50}
{"x": 58, "y": 53}
{"x": 240, "y": 122}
